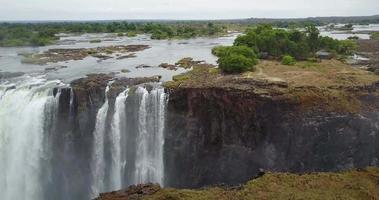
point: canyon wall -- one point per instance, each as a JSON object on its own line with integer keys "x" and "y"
{"x": 223, "y": 135}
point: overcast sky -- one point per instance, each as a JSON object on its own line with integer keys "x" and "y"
{"x": 180, "y": 9}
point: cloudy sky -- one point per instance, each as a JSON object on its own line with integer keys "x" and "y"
{"x": 180, "y": 9}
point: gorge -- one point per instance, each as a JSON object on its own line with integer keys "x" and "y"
{"x": 102, "y": 133}
{"x": 78, "y": 122}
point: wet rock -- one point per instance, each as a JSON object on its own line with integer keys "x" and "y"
{"x": 101, "y": 56}
{"x": 143, "y": 66}
{"x": 59, "y": 55}
{"x": 122, "y": 83}
{"x": 4, "y": 75}
{"x": 187, "y": 62}
{"x": 50, "y": 69}
{"x": 134, "y": 192}
{"x": 168, "y": 66}
{"x": 132, "y": 55}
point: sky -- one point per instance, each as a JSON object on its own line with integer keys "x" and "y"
{"x": 181, "y": 9}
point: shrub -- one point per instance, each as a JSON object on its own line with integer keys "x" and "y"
{"x": 235, "y": 63}
{"x": 131, "y": 34}
{"x": 376, "y": 72}
{"x": 288, "y": 60}
{"x": 95, "y": 41}
{"x": 222, "y": 51}
{"x": 235, "y": 59}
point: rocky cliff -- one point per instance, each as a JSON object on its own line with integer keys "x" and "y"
{"x": 225, "y": 128}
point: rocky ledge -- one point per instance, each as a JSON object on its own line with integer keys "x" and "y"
{"x": 354, "y": 184}
{"x": 370, "y": 49}
{"x": 58, "y": 55}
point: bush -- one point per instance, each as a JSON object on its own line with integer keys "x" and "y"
{"x": 131, "y": 34}
{"x": 235, "y": 59}
{"x": 221, "y": 51}
{"x": 235, "y": 63}
{"x": 376, "y": 72}
{"x": 288, "y": 60}
{"x": 95, "y": 41}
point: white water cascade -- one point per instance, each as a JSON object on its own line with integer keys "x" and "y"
{"x": 149, "y": 158}
{"x": 24, "y": 111}
{"x": 117, "y": 165}
{"x": 135, "y": 140}
{"x": 45, "y": 154}
{"x": 98, "y": 163}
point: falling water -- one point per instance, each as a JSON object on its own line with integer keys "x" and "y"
{"x": 40, "y": 155}
{"x": 117, "y": 165}
{"x": 98, "y": 164}
{"x": 23, "y": 114}
{"x": 149, "y": 158}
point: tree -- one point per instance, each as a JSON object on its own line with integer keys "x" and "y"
{"x": 235, "y": 59}
{"x": 313, "y": 38}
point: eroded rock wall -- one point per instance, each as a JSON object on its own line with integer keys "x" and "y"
{"x": 225, "y": 136}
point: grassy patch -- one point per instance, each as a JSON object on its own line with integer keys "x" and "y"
{"x": 95, "y": 41}
{"x": 349, "y": 185}
{"x": 375, "y": 36}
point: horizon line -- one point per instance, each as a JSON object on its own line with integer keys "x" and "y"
{"x": 172, "y": 19}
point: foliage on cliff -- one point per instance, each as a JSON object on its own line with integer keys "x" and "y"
{"x": 355, "y": 184}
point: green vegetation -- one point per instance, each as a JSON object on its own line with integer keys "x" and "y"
{"x": 375, "y": 36}
{"x": 131, "y": 34}
{"x": 20, "y": 36}
{"x": 349, "y": 185}
{"x": 288, "y": 60}
{"x": 264, "y": 39}
{"x": 40, "y": 34}
{"x": 268, "y": 42}
{"x": 95, "y": 41}
{"x": 235, "y": 59}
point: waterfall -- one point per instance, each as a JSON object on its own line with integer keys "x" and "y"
{"x": 45, "y": 154}
{"x": 24, "y": 110}
{"x": 144, "y": 125}
{"x": 117, "y": 164}
{"x": 149, "y": 158}
{"x": 98, "y": 163}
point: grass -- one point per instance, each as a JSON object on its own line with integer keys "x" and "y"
{"x": 348, "y": 185}
{"x": 329, "y": 85}
{"x": 375, "y": 36}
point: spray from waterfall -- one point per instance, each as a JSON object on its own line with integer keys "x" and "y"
{"x": 24, "y": 111}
